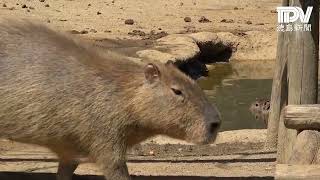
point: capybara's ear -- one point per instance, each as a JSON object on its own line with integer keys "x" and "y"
{"x": 151, "y": 72}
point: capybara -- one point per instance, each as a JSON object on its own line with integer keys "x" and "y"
{"x": 61, "y": 93}
{"x": 260, "y": 108}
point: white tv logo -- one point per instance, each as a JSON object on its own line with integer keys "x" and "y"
{"x": 297, "y": 12}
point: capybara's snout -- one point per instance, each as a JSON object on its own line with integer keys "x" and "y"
{"x": 206, "y": 126}
{"x": 213, "y": 127}
{"x": 213, "y": 122}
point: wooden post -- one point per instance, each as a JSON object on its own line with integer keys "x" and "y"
{"x": 306, "y": 148}
{"x": 279, "y": 92}
{"x": 306, "y": 118}
{"x": 302, "y": 117}
{"x": 303, "y": 72}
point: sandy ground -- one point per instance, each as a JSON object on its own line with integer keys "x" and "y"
{"x": 254, "y": 22}
{"x": 235, "y": 154}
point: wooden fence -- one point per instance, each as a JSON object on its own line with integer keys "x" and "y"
{"x": 294, "y": 129}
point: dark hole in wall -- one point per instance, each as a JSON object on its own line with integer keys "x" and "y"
{"x": 196, "y": 67}
{"x": 214, "y": 53}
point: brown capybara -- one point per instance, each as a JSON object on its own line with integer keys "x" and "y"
{"x": 63, "y": 94}
{"x": 260, "y": 108}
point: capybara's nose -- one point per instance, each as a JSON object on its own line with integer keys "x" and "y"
{"x": 213, "y": 127}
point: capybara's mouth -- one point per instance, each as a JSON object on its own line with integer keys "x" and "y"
{"x": 202, "y": 138}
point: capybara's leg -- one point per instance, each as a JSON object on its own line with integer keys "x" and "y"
{"x": 116, "y": 171}
{"x": 66, "y": 169}
{"x": 113, "y": 165}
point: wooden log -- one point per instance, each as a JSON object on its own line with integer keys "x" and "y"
{"x": 279, "y": 94}
{"x": 281, "y": 150}
{"x": 306, "y": 147}
{"x": 302, "y": 71}
{"x": 302, "y": 117}
{"x": 297, "y": 172}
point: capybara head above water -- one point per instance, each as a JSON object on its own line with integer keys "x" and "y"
{"x": 260, "y": 106}
{"x": 171, "y": 103}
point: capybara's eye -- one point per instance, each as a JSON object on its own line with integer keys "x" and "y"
{"x": 257, "y": 104}
{"x": 176, "y": 91}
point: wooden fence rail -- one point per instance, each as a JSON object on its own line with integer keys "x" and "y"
{"x": 302, "y": 117}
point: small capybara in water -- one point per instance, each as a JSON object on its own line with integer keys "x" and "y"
{"x": 260, "y": 108}
{"x": 63, "y": 94}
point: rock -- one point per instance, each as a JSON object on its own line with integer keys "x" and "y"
{"x": 41, "y": 0}
{"x": 204, "y": 37}
{"x": 4, "y": 5}
{"x": 129, "y": 21}
{"x": 156, "y": 35}
{"x": 89, "y": 4}
{"x": 189, "y": 29}
{"x": 273, "y": 11}
{"x": 48, "y": 21}
{"x": 107, "y": 31}
{"x": 187, "y": 19}
{"x": 78, "y": 32}
{"x": 227, "y": 39}
{"x": 227, "y": 20}
{"x": 241, "y": 33}
{"x": 98, "y": 13}
{"x": 203, "y": 19}
{"x": 12, "y": 8}
{"x": 47, "y": 5}
{"x": 152, "y": 35}
{"x": 93, "y": 31}
{"x": 248, "y": 22}
{"x": 260, "y": 24}
{"x": 30, "y": 7}
{"x": 172, "y": 47}
{"x": 137, "y": 33}
{"x": 84, "y": 32}
{"x": 235, "y": 8}
{"x": 74, "y": 32}
{"x": 155, "y": 55}
{"x": 24, "y": 6}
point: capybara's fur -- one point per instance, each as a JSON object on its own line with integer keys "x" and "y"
{"x": 65, "y": 95}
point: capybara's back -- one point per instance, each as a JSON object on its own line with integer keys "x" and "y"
{"x": 63, "y": 94}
